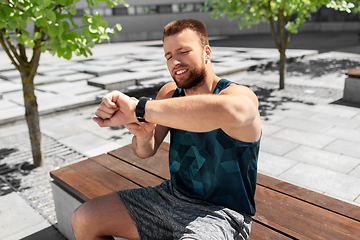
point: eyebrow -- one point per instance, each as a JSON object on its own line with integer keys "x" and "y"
{"x": 175, "y": 51}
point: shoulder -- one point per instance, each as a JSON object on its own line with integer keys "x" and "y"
{"x": 166, "y": 91}
{"x": 240, "y": 91}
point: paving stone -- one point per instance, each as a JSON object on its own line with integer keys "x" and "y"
{"x": 6, "y": 67}
{"x": 69, "y": 88}
{"x": 274, "y": 165}
{"x": 276, "y": 146}
{"x": 47, "y": 68}
{"x": 335, "y": 120}
{"x": 323, "y": 180}
{"x": 122, "y": 81}
{"x": 83, "y": 142}
{"x": 304, "y": 138}
{"x": 10, "y": 74}
{"x": 288, "y": 112}
{"x": 58, "y": 129}
{"x": 269, "y": 129}
{"x": 321, "y": 158}
{"x": 60, "y": 72}
{"x": 102, "y": 149}
{"x": 227, "y": 68}
{"x": 344, "y": 133}
{"x": 6, "y": 87}
{"x": 18, "y": 217}
{"x": 355, "y": 172}
{"x": 6, "y": 104}
{"x": 345, "y": 147}
{"x": 18, "y": 97}
{"x": 12, "y": 114}
{"x": 108, "y": 62}
{"x": 304, "y": 125}
{"x": 39, "y": 80}
{"x": 78, "y": 77}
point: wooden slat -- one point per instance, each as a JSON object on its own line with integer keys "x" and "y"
{"x": 128, "y": 171}
{"x": 312, "y": 197}
{"x": 77, "y": 184}
{"x": 295, "y": 217}
{"x": 157, "y": 164}
{"x": 258, "y": 231}
{"x": 354, "y": 73}
{"x": 102, "y": 175}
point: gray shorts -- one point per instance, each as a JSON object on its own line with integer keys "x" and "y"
{"x": 162, "y": 212}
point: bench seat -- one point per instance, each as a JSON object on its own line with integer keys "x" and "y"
{"x": 284, "y": 211}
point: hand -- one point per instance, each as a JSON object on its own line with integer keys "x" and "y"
{"x": 141, "y": 130}
{"x": 116, "y": 109}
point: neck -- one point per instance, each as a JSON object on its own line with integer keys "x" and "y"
{"x": 206, "y": 87}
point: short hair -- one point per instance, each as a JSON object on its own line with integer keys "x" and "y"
{"x": 179, "y": 25}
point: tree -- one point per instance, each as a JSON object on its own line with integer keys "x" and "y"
{"x": 289, "y": 15}
{"x": 53, "y": 30}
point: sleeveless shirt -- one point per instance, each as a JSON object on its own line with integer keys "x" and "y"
{"x": 214, "y": 167}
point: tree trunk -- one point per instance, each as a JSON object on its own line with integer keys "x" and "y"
{"x": 282, "y": 49}
{"x": 282, "y": 68}
{"x": 32, "y": 114}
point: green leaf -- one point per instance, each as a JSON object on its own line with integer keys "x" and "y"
{"x": 44, "y": 47}
{"x": 37, "y": 35}
{"x": 84, "y": 32}
{"x": 31, "y": 43}
{"x": 118, "y": 27}
{"x": 104, "y": 23}
{"x": 13, "y": 23}
{"x": 68, "y": 54}
{"x": 50, "y": 15}
{"x": 52, "y": 31}
{"x": 72, "y": 11}
{"x": 47, "y": 2}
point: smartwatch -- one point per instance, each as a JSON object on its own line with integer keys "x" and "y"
{"x": 140, "y": 109}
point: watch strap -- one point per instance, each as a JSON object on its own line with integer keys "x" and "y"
{"x": 140, "y": 109}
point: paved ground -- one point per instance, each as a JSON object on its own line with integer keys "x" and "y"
{"x": 309, "y": 137}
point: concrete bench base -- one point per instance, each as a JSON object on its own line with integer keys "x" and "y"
{"x": 352, "y": 90}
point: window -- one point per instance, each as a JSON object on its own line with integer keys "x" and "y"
{"x": 120, "y": 11}
{"x": 164, "y": 9}
{"x": 187, "y": 7}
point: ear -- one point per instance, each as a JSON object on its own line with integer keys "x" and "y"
{"x": 207, "y": 53}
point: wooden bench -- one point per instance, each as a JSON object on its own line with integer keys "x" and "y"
{"x": 284, "y": 211}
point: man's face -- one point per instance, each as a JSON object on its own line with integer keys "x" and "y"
{"x": 185, "y": 59}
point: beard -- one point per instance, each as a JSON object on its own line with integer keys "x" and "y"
{"x": 196, "y": 78}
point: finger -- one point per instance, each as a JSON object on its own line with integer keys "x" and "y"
{"x": 133, "y": 126}
{"x": 108, "y": 101}
{"x": 102, "y": 114}
{"x": 103, "y": 122}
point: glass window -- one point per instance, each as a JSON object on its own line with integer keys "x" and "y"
{"x": 175, "y": 8}
{"x": 164, "y": 8}
{"x": 187, "y": 7}
{"x": 198, "y": 6}
{"x": 120, "y": 11}
{"x": 131, "y": 10}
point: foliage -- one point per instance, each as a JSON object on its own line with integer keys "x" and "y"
{"x": 251, "y": 12}
{"x": 53, "y": 26}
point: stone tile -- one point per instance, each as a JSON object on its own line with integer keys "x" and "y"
{"x": 289, "y": 112}
{"x": 269, "y": 129}
{"x": 355, "y": 172}
{"x": 274, "y": 165}
{"x": 11, "y": 114}
{"x": 325, "y": 159}
{"x": 270, "y": 118}
{"x": 69, "y": 88}
{"x": 9, "y": 75}
{"x": 336, "y": 110}
{"x": 102, "y": 149}
{"x": 6, "y": 67}
{"x": 58, "y": 129}
{"x": 83, "y": 142}
{"x": 303, "y": 125}
{"x": 60, "y": 72}
{"x": 344, "y": 133}
{"x": 276, "y": 146}
{"x": 15, "y": 128}
{"x": 304, "y": 138}
{"x": 18, "y": 98}
{"x": 78, "y": 77}
{"x": 6, "y": 104}
{"x": 6, "y": 87}
{"x": 326, "y": 181}
{"x": 17, "y": 216}
{"x": 334, "y": 120}
{"x": 345, "y": 147}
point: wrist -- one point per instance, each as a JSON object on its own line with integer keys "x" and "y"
{"x": 140, "y": 109}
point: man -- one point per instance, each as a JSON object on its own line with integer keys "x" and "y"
{"x": 215, "y": 137}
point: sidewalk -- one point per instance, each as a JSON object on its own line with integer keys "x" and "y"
{"x": 307, "y": 139}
